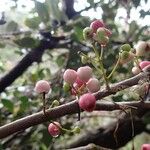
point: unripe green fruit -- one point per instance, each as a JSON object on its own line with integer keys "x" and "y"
{"x": 66, "y": 87}
{"x": 84, "y": 59}
{"x": 103, "y": 40}
{"x": 126, "y": 47}
{"x": 87, "y": 33}
{"x": 55, "y": 103}
{"x": 100, "y": 32}
{"x": 126, "y": 57}
{"x": 76, "y": 130}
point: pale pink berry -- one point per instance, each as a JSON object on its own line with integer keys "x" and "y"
{"x": 54, "y": 129}
{"x": 93, "y": 85}
{"x": 136, "y": 70}
{"x": 84, "y": 73}
{"x": 141, "y": 48}
{"x": 42, "y": 86}
{"x": 145, "y": 147}
{"x": 70, "y": 76}
{"x": 143, "y": 64}
{"x": 87, "y": 102}
{"x": 96, "y": 24}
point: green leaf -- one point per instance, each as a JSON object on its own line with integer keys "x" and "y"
{"x": 12, "y": 26}
{"x": 24, "y": 103}
{"x": 8, "y": 104}
{"x": 27, "y": 42}
{"x": 42, "y": 11}
{"x": 33, "y": 23}
{"x": 60, "y": 60}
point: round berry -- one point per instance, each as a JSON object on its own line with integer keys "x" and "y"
{"x": 87, "y": 33}
{"x": 87, "y": 102}
{"x": 136, "y": 70}
{"x": 84, "y": 73}
{"x": 126, "y": 47}
{"x": 93, "y": 85}
{"x": 145, "y": 147}
{"x": 143, "y": 64}
{"x": 42, "y": 86}
{"x": 96, "y": 24}
{"x": 141, "y": 48}
{"x": 54, "y": 129}
{"x": 126, "y": 57}
{"x": 70, "y": 76}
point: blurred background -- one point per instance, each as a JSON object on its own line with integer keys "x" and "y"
{"x": 59, "y": 23}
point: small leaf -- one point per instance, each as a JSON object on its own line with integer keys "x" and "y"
{"x": 60, "y": 60}
{"x": 12, "y": 26}
{"x": 32, "y": 23}
{"x": 27, "y": 42}
{"x": 24, "y": 103}
{"x": 8, "y": 104}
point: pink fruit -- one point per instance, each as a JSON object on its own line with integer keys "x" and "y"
{"x": 70, "y": 76}
{"x": 145, "y": 147}
{"x": 136, "y": 70}
{"x": 87, "y": 102}
{"x": 84, "y": 73}
{"x": 96, "y": 24}
{"x": 143, "y": 64}
{"x": 54, "y": 129}
{"x": 93, "y": 85}
{"x": 42, "y": 86}
{"x": 79, "y": 82}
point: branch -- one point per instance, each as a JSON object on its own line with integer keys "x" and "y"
{"x": 34, "y": 55}
{"x": 71, "y": 108}
{"x": 114, "y": 135}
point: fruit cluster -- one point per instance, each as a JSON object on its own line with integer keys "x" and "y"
{"x": 97, "y": 33}
{"x": 81, "y": 83}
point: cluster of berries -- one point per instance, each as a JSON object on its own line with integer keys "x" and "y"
{"x": 54, "y": 128}
{"x": 97, "y": 33}
{"x": 81, "y": 83}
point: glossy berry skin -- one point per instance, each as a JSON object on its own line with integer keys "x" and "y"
{"x": 84, "y": 73}
{"x": 70, "y": 76}
{"x": 96, "y": 24}
{"x": 93, "y": 85}
{"x": 145, "y": 147}
{"x": 87, "y": 102}
{"x": 143, "y": 64}
{"x": 42, "y": 86}
{"x": 54, "y": 129}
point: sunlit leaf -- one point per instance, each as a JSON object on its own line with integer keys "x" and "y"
{"x": 8, "y": 104}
